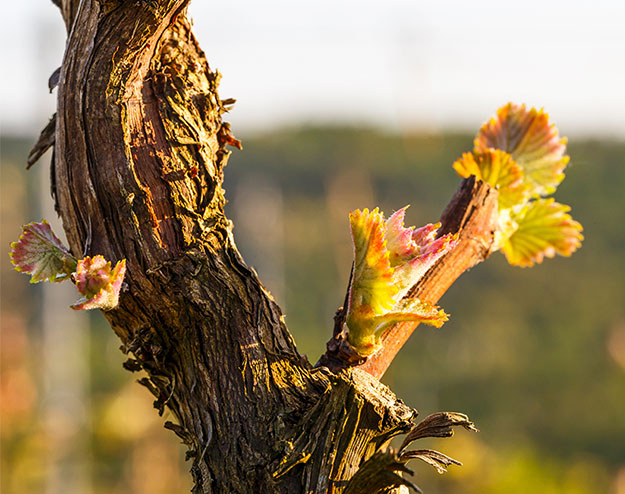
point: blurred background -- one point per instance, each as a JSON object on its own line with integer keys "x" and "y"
{"x": 343, "y": 105}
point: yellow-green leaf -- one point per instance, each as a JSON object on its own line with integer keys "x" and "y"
{"x": 498, "y": 169}
{"x": 544, "y": 229}
{"x": 372, "y": 277}
{"x": 412, "y": 310}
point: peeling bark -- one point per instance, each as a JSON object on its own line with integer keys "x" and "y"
{"x": 45, "y": 142}
{"x": 139, "y": 153}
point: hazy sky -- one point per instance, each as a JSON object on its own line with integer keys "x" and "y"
{"x": 401, "y": 63}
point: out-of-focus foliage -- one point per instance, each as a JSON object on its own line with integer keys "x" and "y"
{"x": 535, "y": 357}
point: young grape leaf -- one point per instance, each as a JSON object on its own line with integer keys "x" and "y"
{"x": 498, "y": 169}
{"x": 40, "y": 253}
{"x": 532, "y": 141}
{"x": 372, "y": 284}
{"x": 413, "y": 252}
{"x": 98, "y": 283}
{"x": 411, "y": 310}
{"x": 388, "y": 260}
{"x": 544, "y": 229}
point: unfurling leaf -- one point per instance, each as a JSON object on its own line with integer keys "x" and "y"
{"x": 388, "y": 260}
{"x": 40, "y": 253}
{"x": 372, "y": 284}
{"x": 413, "y": 252}
{"x": 98, "y": 283}
{"x": 521, "y": 154}
{"x": 544, "y": 228}
{"x": 498, "y": 169}
{"x": 412, "y": 310}
{"x": 532, "y": 141}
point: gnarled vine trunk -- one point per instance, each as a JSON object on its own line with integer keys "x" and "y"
{"x": 139, "y": 152}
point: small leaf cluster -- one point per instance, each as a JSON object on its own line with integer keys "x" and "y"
{"x": 521, "y": 153}
{"x": 40, "y": 253}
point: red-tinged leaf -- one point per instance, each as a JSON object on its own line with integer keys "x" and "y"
{"x": 498, "y": 169}
{"x": 40, "y": 253}
{"x": 544, "y": 229}
{"x": 412, "y": 252}
{"x": 98, "y": 283}
{"x": 399, "y": 241}
{"x": 372, "y": 291}
{"x": 408, "y": 274}
{"x": 532, "y": 141}
{"x": 426, "y": 234}
{"x": 224, "y": 136}
{"x": 388, "y": 260}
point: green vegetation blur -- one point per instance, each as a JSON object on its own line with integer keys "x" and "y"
{"x": 536, "y": 357}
